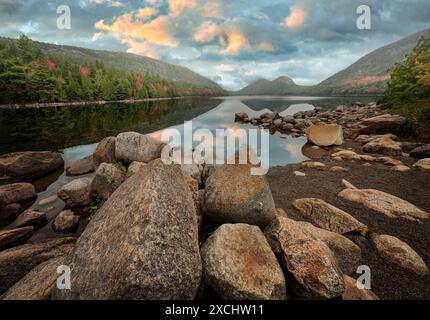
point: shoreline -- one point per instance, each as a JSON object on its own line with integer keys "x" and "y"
{"x": 17, "y": 106}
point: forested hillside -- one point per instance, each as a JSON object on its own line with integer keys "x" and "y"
{"x": 30, "y": 72}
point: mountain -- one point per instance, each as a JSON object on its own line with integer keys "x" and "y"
{"x": 128, "y": 62}
{"x": 280, "y": 86}
{"x": 369, "y": 75}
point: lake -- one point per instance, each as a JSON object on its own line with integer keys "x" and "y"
{"x": 74, "y": 131}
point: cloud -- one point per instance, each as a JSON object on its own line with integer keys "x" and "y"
{"x": 207, "y": 32}
{"x": 176, "y": 7}
{"x": 236, "y": 41}
{"x": 225, "y": 68}
{"x": 295, "y": 19}
{"x": 265, "y": 47}
{"x": 111, "y": 3}
{"x": 145, "y": 13}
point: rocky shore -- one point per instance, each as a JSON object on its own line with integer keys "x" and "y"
{"x": 156, "y": 231}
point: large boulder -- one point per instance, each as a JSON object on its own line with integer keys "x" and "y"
{"x": 77, "y": 193}
{"x": 385, "y": 123}
{"x": 384, "y": 145}
{"x": 28, "y": 166}
{"x": 9, "y": 212}
{"x": 352, "y": 292}
{"x": 423, "y": 164}
{"x": 38, "y": 284}
{"x": 328, "y": 217}
{"x": 16, "y": 192}
{"x": 238, "y": 264}
{"x": 399, "y": 253}
{"x": 14, "y": 237}
{"x": 421, "y": 152}
{"x": 142, "y": 244}
{"x": 107, "y": 179}
{"x": 346, "y": 252}
{"x": 16, "y": 262}
{"x": 80, "y": 167}
{"x": 234, "y": 195}
{"x": 325, "y": 135}
{"x": 105, "y": 152}
{"x": 311, "y": 269}
{"x": 385, "y": 203}
{"x": 132, "y": 146}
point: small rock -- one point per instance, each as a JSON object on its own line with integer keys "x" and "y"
{"x": 107, "y": 179}
{"x": 328, "y": 217}
{"x": 346, "y": 155}
{"x": 49, "y": 200}
{"x": 66, "y": 222}
{"x": 238, "y": 264}
{"x": 31, "y": 218}
{"x": 423, "y": 164}
{"x": 77, "y": 193}
{"x": 385, "y": 203}
{"x": 352, "y": 292}
{"x": 313, "y": 164}
{"x": 338, "y": 169}
{"x": 192, "y": 170}
{"x": 135, "y": 167}
{"x": 383, "y": 124}
{"x": 398, "y": 252}
{"x": 105, "y": 152}
{"x": 11, "y": 238}
{"x": 9, "y": 212}
{"x": 299, "y": 174}
{"x": 81, "y": 167}
{"x": 132, "y": 146}
{"x": 240, "y": 116}
{"x": 384, "y": 145}
{"x": 16, "y": 192}
{"x": 401, "y": 168}
{"x": 347, "y": 185}
{"x": 421, "y": 152}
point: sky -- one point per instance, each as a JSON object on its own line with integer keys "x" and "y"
{"x": 233, "y": 42}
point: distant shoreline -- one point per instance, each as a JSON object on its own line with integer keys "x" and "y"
{"x": 17, "y": 106}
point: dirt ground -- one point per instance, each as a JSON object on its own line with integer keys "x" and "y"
{"x": 388, "y": 280}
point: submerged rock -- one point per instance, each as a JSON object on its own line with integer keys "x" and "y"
{"x": 81, "y": 167}
{"x": 238, "y": 264}
{"x": 234, "y": 195}
{"x": 28, "y": 166}
{"x": 328, "y": 217}
{"x": 66, "y": 222}
{"x": 421, "y": 152}
{"x": 142, "y": 244}
{"x": 423, "y": 164}
{"x": 31, "y": 218}
{"x": 400, "y": 253}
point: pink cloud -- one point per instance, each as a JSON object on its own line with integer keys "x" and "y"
{"x": 207, "y": 32}
{"x": 176, "y": 7}
{"x": 295, "y": 19}
{"x": 236, "y": 41}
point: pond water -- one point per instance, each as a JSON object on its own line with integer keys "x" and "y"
{"x": 76, "y": 130}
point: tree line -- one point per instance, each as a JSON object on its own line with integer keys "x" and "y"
{"x": 27, "y": 74}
